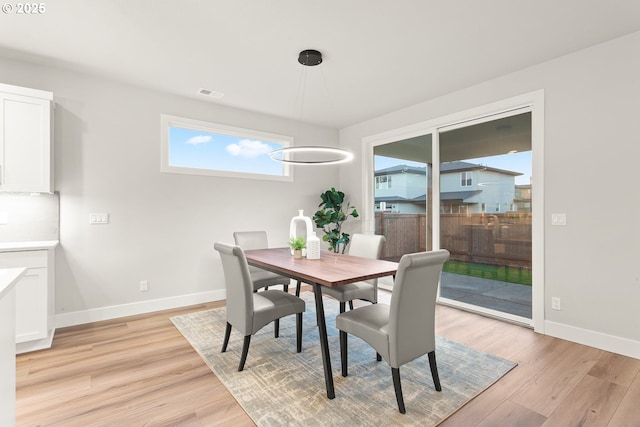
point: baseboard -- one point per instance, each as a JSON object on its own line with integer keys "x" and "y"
{"x": 115, "y": 311}
{"x": 623, "y": 346}
{"x": 27, "y": 346}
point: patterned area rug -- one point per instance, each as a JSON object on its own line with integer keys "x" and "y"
{"x": 280, "y": 387}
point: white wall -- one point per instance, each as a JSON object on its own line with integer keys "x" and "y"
{"x": 162, "y": 226}
{"x": 591, "y": 155}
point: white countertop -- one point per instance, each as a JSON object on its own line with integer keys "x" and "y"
{"x": 8, "y": 278}
{"x": 28, "y": 246}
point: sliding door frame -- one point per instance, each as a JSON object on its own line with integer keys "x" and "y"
{"x": 533, "y": 102}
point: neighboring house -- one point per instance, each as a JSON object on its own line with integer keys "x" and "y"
{"x": 401, "y": 189}
{"x": 465, "y": 188}
{"x": 523, "y": 198}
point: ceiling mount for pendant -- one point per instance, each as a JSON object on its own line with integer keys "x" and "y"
{"x": 310, "y": 57}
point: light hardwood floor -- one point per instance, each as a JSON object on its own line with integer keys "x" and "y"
{"x": 140, "y": 371}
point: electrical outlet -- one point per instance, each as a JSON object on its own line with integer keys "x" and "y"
{"x": 555, "y": 303}
{"x": 144, "y": 286}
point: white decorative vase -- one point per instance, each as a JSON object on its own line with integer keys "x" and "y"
{"x": 313, "y": 246}
{"x": 293, "y": 228}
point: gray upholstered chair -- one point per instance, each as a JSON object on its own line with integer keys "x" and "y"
{"x": 261, "y": 278}
{"x": 249, "y": 311}
{"x": 404, "y": 330}
{"x": 366, "y": 246}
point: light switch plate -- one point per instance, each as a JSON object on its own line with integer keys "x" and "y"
{"x": 99, "y": 218}
{"x": 558, "y": 219}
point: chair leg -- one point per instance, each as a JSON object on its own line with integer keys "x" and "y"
{"x": 298, "y": 288}
{"x": 351, "y": 305}
{"x": 227, "y": 334}
{"x": 342, "y": 307}
{"x": 434, "y": 370}
{"x": 276, "y": 328}
{"x": 245, "y": 350}
{"x": 343, "y": 352}
{"x": 298, "y": 332}
{"x": 395, "y": 373}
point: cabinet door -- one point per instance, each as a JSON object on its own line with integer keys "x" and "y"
{"x": 31, "y": 305}
{"x": 25, "y": 144}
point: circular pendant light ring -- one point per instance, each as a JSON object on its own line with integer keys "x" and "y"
{"x": 341, "y": 156}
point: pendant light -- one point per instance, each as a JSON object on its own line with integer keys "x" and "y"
{"x": 311, "y": 154}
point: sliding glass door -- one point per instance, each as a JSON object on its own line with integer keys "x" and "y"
{"x": 403, "y": 194}
{"x": 475, "y": 201}
{"x": 486, "y": 215}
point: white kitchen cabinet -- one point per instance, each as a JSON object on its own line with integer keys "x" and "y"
{"x": 26, "y": 140}
{"x": 35, "y": 297}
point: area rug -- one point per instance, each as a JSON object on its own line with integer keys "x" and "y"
{"x": 280, "y": 387}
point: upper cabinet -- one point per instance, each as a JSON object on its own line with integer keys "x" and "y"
{"x": 26, "y": 140}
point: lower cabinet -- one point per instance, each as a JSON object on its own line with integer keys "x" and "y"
{"x": 35, "y": 298}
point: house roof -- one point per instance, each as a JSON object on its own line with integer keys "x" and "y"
{"x": 459, "y": 195}
{"x": 390, "y": 199}
{"x": 466, "y": 166}
{"x": 448, "y": 195}
{"x": 446, "y": 167}
{"x": 402, "y": 169}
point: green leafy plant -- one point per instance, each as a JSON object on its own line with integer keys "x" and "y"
{"x": 331, "y": 216}
{"x": 297, "y": 243}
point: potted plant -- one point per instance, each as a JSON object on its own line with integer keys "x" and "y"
{"x": 297, "y": 244}
{"x": 331, "y": 217}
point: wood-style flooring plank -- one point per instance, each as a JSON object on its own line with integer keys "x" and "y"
{"x": 546, "y": 390}
{"x": 512, "y": 414}
{"x": 592, "y": 402}
{"x": 628, "y": 412}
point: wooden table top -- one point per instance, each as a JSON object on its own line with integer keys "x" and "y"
{"x": 330, "y": 270}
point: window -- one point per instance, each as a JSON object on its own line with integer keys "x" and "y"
{"x": 383, "y": 182}
{"x": 202, "y": 148}
{"x": 465, "y": 179}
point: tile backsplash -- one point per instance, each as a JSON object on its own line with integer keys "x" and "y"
{"x": 25, "y": 217}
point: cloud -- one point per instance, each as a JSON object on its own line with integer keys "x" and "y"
{"x": 199, "y": 139}
{"x": 248, "y": 148}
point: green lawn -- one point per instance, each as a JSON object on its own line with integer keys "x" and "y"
{"x": 521, "y": 276}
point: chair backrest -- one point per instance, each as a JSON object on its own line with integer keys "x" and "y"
{"x": 413, "y": 304}
{"x": 367, "y": 246}
{"x": 239, "y": 287}
{"x": 251, "y": 240}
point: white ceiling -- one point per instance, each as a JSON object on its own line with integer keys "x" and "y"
{"x": 379, "y": 55}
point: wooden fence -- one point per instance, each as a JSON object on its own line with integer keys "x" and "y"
{"x": 498, "y": 239}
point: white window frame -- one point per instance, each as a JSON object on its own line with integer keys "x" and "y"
{"x": 386, "y": 182}
{"x": 466, "y": 179}
{"x": 168, "y": 121}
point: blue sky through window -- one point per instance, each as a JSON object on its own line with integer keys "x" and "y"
{"x": 189, "y": 148}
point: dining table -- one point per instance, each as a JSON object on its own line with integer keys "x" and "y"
{"x": 331, "y": 269}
